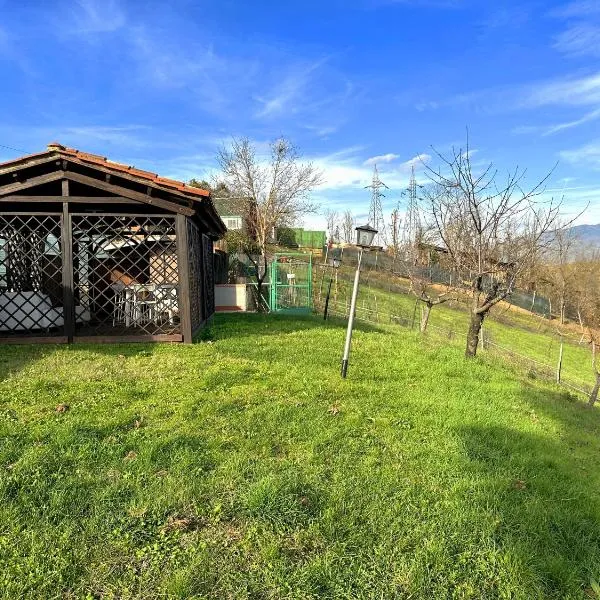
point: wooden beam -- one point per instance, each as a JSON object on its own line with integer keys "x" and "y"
{"x": 33, "y": 340}
{"x": 131, "y": 177}
{"x": 31, "y": 182}
{"x": 119, "y": 339}
{"x": 67, "y": 270}
{"x": 71, "y": 199}
{"x": 26, "y": 164}
{"x": 183, "y": 276}
{"x": 138, "y": 196}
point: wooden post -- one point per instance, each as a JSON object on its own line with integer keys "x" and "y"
{"x": 321, "y": 286}
{"x": 559, "y": 365}
{"x": 412, "y": 323}
{"x": 481, "y": 338}
{"x": 183, "y": 268}
{"x": 66, "y": 235}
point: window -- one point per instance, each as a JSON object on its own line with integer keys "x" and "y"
{"x": 232, "y": 222}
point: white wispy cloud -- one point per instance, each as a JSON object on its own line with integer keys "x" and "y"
{"x": 579, "y": 8}
{"x": 346, "y": 170}
{"x": 322, "y": 131}
{"x": 288, "y": 94}
{"x": 210, "y": 79}
{"x": 381, "y": 158}
{"x": 581, "y": 34}
{"x": 580, "y": 39}
{"x": 587, "y": 155}
{"x": 572, "y": 91}
{"x": 129, "y": 136}
{"x": 590, "y": 116}
{"x": 546, "y": 130}
{"x": 581, "y": 201}
{"x": 579, "y": 90}
{"x": 97, "y": 16}
{"x": 416, "y": 161}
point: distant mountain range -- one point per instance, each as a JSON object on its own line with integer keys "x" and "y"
{"x": 588, "y": 234}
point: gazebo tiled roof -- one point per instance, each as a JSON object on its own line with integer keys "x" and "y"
{"x": 58, "y": 150}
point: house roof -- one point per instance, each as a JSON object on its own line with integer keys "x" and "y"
{"x": 58, "y": 150}
{"x": 231, "y": 206}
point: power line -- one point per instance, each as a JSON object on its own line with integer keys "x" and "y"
{"x": 15, "y": 149}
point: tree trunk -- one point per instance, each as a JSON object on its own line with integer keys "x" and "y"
{"x": 473, "y": 335}
{"x": 594, "y": 394}
{"x": 262, "y": 305}
{"x": 425, "y": 310}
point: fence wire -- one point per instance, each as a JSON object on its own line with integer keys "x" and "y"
{"x": 411, "y": 321}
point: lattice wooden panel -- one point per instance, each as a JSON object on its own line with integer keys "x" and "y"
{"x": 31, "y": 290}
{"x": 209, "y": 276}
{"x": 195, "y": 269}
{"x": 125, "y": 275}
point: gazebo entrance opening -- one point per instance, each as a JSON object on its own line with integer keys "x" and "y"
{"x": 125, "y": 275}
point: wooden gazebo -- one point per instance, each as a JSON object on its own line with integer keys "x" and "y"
{"x": 93, "y": 250}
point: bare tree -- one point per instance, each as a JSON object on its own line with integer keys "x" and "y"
{"x": 278, "y": 189}
{"x": 586, "y": 267}
{"x": 348, "y": 227}
{"x": 492, "y": 230}
{"x": 588, "y": 306}
{"x": 395, "y": 230}
{"x": 332, "y": 218}
{"x": 560, "y": 270}
{"x": 428, "y": 296}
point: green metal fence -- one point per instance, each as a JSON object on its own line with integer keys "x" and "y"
{"x": 291, "y": 283}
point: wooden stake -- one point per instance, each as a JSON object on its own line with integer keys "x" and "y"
{"x": 560, "y": 358}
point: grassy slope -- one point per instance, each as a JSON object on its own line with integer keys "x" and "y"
{"x": 257, "y": 472}
{"x": 524, "y": 333}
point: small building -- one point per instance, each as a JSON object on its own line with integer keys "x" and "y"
{"x": 93, "y": 250}
{"x": 298, "y": 237}
{"x": 234, "y": 212}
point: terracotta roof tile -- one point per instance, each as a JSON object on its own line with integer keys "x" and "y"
{"x": 141, "y": 173}
{"x": 96, "y": 159}
{"x": 147, "y": 175}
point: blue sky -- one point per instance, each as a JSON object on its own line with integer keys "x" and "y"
{"x": 162, "y": 85}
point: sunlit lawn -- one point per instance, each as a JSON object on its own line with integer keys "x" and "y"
{"x": 245, "y": 467}
{"x": 521, "y": 332}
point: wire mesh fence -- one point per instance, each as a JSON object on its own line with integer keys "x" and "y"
{"x": 410, "y": 319}
{"x": 385, "y": 269}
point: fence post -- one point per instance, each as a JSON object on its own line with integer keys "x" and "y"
{"x": 412, "y": 323}
{"x": 481, "y": 340}
{"x": 321, "y": 286}
{"x": 559, "y": 365}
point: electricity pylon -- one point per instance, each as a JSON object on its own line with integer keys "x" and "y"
{"x": 375, "y": 210}
{"x": 412, "y": 223}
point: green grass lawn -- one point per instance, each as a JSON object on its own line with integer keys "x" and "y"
{"x": 524, "y": 333}
{"x": 243, "y": 466}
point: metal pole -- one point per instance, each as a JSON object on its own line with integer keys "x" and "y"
{"x": 351, "y": 317}
{"x": 327, "y": 299}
